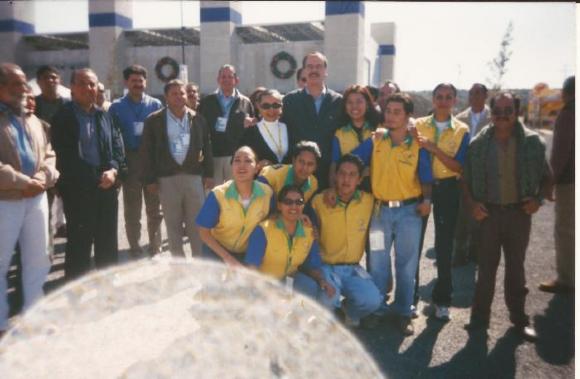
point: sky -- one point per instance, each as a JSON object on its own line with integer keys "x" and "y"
{"x": 435, "y": 42}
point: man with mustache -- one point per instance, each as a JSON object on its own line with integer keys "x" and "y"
{"x": 504, "y": 176}
{"x": 131, "y": 111}
{"x": 312, "y": 113}
{"x": 27, "y": 169}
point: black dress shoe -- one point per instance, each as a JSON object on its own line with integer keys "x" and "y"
{"x": 527, "y": 332}
{"x": 476, "y": 324}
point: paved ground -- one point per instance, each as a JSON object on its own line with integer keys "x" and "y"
{"x": 445, "y": 350}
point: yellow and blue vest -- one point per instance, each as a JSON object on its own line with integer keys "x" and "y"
{"x": 346, "y": 139}
{"x": 343, "y": 229}
{"x": 277, "y": 176}
{"x": 453, "y": 141}
{"x": 234, "y": 223}
{"x": 282, "y": 254}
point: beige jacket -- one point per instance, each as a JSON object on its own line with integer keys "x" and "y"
{"x": 465, "y": 117}
{"x": 12, "y": 180}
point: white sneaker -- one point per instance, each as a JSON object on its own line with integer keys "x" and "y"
{"x": 442, "y": 313}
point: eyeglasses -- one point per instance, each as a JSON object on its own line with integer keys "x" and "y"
{"x": 507, "y": 111}
{"x": 267, "y": 106}
{"x": 289, "y": 202}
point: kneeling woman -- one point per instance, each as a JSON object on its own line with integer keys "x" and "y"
{"x": 283, "y": 246}
{"x": 232, "y": 210}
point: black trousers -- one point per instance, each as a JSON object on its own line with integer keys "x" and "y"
{"x": 445, "y": 209}
{"x": 91, "y": 216}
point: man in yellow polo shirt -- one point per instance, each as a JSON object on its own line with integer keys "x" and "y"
{"x": 447, "y": 139}
{"x": 401, "y": 182}
{"x": 305, "y": 158}
{"x": 343, "y": 233}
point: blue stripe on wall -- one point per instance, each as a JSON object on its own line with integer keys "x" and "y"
{"x": 344, "y": 7}
{"x": 16, "y": 26}
{"x": 110, "y": 19}
{"x": 220, "y": 14}
{"x": 386, "y": 49}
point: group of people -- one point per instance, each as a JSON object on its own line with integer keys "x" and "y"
{"x": 299, "y": 187}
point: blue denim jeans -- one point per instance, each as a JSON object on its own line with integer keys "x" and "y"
{"x": 308, "y": 286}
{"x": 401, "y": 226}
{"x": 361, "y": 296}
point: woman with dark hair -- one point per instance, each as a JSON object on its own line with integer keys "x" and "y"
{"x": 269, "y": 138}
{"x": 359, "y": 121}
{"x": 232, "y": 210}
{"x": 284, "y": 246}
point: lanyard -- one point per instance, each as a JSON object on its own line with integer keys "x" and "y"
{"x": 277, "y": 144}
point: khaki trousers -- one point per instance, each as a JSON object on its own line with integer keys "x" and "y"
{"x": 181, "y": 199}
{"x": 133, "y": 193}
{"x": 564, "y": 233}
{"x": 222, "y": 170}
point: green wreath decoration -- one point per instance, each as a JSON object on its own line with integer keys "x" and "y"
{"x": 166, "y": 61}
{"x": 280, "y": 57}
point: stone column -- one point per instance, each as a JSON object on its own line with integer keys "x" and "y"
{"x": 218, "y": 42}
{"x": 16, "y": 21}
{"x": 107, "y": 20}
{"x": 344, "y": 42}
{"x": 384, "y": 34}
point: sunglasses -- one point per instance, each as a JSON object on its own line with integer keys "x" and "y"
{"x": 290, "y": 202}
{"x": 267, "y": 106}
{"x": 507, "y": 111}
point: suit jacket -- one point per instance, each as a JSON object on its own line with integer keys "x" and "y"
{"x": 224, "y": 144}
{"x": 299, "y": 115}
{"x": 77, "y": 174}
{"x": 155, "y": 157}
{"x": 465, "y": 117}
{"x": 254, "y": 139}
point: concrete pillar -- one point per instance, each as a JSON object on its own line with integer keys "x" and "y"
{"x": 344, "y": 42}
{"x": 16, "y": 20}
{"x": 218, "y": 42}
{"x": 384, "y": 34}
{"x": 107, "y": 20}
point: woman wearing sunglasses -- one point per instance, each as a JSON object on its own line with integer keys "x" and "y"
{"x": 232, "y": 210}
{"x": 284, "y": 247}
{"x": 358, "y": 124}
{"x": 269, "y": 138}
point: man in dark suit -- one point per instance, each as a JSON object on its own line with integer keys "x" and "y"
{"x": 312, "y": 113}
{"x": 225, "y": 112}
{"x": 91, "y": 158}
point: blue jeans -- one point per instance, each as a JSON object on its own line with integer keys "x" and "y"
{"x": 308, "y": 286}
{"x": 361, "y": 296}
{"x": 401, "y": 226}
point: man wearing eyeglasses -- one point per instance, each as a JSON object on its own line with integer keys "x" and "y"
{"x": 504, "y": 176}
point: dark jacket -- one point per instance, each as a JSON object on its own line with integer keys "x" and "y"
{"x": 531, "y": 165}
{"x": 299, "y": 115}
{"x": 75, "y": 173}
{"x": 155, "y": 157}
{"x": 224, "y": 144}
{"x": 254, "y": 139}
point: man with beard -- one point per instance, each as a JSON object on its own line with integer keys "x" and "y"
{"x": 27, "y": 169}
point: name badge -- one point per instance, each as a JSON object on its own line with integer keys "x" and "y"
{"x": 220, "y": 124}
{"x": 178, "y": 146}
{"x": 138, "y": 127}
{"x": 377, "y": 239}
{"x": 184, "y": 139}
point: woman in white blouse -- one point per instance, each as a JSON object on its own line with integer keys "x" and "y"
{"x": 269, "y": 138}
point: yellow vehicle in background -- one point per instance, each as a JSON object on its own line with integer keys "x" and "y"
{"x": 544, "y": 104}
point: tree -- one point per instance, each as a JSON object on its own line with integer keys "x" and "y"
{"x": 498, "y": 66}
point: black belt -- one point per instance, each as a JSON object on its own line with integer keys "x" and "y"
{"x": 437, "y": 182}
{"x": 399, "y": 203}
{"x": 504, "y": 206}
{"x": 343, "y": 264}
